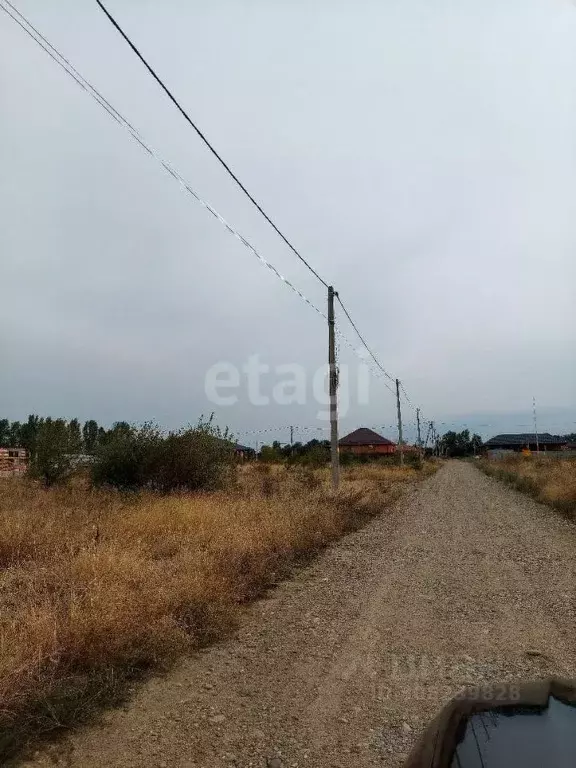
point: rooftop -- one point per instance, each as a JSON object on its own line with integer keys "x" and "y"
{"x": 544, "y": 438}
{"x": 364, "y": 436}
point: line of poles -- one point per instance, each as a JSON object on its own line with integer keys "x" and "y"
{"x": 333, "y": 399}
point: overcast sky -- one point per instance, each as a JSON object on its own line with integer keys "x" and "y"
{"x": 421, "y": 155}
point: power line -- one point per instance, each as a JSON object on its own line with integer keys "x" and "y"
{"x": 231, "y": 173}
{"x": 206, "y": 142}
{"x": 56, "y": 56}
{"x": 82, "y": 82}
{"x": 92, "y": 91}
{"x": 410, "y": 403}
{"x": 70, "y": 70}
{"x": 65, "y": 60}
{"x": 372, "y": 355}
{"x": 406, "y": 394}
{"x": 354, "y": 349}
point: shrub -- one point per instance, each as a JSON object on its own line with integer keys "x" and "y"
{"x": 127, "y": 460}
{"x": 318, "y": 456}
{"x": 197, "y": 458}
{"x": 194, "y": 459}
{"x": 271, "y": 455}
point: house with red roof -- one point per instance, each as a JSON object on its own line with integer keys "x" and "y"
{"x": 366, "y": 442}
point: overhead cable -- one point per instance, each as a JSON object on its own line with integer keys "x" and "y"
{"x": 207, "y": 142}
{"x": 118, "y": 117}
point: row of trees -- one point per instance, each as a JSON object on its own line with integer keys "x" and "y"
{"x": 317, "y": 452}
{"x": 313, "y": 453}
{"x": 126, "y": 457}
{"x": 459, "y": 444}
{"x": 77, "y": 437}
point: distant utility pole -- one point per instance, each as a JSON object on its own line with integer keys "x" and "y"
{"x": 535, "y": 425}
{"x": 333, "y": 383}
{"x": 418, "y": 427}
{"x": 291, "y": 436}
{"x": 400, "y": 442}
{"x": 427, "y": 435}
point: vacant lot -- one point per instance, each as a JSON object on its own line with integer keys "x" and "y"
{"x": 95, "y": 587}
{"x": 463, "y": 581}
{"x": 551, "y": 481}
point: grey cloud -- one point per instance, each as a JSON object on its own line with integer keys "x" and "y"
{"x": 422, "y": 157}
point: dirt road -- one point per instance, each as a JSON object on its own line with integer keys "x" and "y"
{"x": 465, "y": 581}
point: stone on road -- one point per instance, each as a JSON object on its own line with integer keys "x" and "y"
{"x": 464, "y": 581}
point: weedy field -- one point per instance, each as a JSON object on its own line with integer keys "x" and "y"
{"x": 551, "y": 481}
{"x": 97, "y": 587}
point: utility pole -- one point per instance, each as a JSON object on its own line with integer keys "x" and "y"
{"x": 333, "y": 384}
{"x": 418, "y": 427}
{"x": 291, "y": 436}
{"x": 432, "y": 436}
{"x": 400, "y": 443}
{"x": 535, "y": 425}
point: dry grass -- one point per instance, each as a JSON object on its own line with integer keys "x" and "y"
{"x": 96, "y": 587}
{"x": 551, "y": 481}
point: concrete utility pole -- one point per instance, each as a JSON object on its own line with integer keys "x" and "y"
{"x": 333, "y": 383}
{"x": 418, "y": 427}
{"x": 400, "y": 441}
{"x": 535, "y": 425}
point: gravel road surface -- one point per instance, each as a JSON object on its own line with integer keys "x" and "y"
{"x": 464, "y": 581}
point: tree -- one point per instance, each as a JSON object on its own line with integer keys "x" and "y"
{"x": 119, "y": 429}
{"x": 14, "y": 435}
{"x": 102, "y": 436}
{"x": 53, "y": 460}
{"x": 458, "y": 444}
{"x": 270, "y": 454}
{"x": 90, "y": 433}
{"x": 29, "y": 434}
{"x": 318, "y": 455}
{"x": 74, "y": 437}
{"x": 4, "y": 432}
{"x": 124, "y": 457}
{"x": 476, "y": 444}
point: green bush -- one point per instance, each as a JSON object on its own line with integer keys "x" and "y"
{"x": 129, "y": 458}
{"x": 318, "y": 456}
{"x": 197, "y": 458}
{"x": 193, "y": 459}
{"x": 271, "y": 455}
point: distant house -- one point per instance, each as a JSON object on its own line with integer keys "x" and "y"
{"x": 366, "y": 442}
{"x": 526, "y": 441}
{"x": 13, "y": 460}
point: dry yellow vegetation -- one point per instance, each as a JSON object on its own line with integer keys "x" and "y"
{"x": 96, "y": 587}
{"x": 550, "y": 480}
